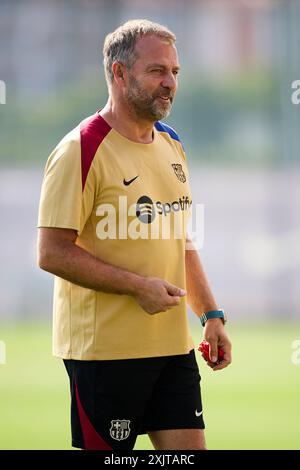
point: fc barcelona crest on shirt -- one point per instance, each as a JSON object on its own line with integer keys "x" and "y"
{"x": 120, "y": 429}
{"x": 177, "y": 167}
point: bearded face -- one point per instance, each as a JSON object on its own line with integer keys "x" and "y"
{"x": 146, "y": 104}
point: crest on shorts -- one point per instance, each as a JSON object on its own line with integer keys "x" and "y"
{"x": 120, "y": 429}
{"x": 177, "y": 167}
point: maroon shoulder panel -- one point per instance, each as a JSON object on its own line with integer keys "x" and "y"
{"x": 92, "y": 131}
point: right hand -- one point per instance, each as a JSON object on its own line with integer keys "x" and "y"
{"x": 156, "y": 295}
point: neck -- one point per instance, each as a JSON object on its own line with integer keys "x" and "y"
{"x": 118, "y": 116}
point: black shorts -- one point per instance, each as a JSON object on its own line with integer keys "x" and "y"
{"x": 114, "y": 401}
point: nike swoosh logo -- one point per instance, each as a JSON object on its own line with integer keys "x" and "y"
{"x": 127, "y": 183}
{"x": 198, "y": 413}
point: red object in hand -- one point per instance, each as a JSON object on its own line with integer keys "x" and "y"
{"x": 204, "y": 349}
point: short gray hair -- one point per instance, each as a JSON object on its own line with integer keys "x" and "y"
{"x": 119, "y": 45}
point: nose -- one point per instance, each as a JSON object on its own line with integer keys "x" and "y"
{"x": 169, "y": 81}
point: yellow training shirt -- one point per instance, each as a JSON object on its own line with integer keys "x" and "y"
{"x": 129, "y": 203}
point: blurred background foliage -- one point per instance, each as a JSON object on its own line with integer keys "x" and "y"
{"x": 235, "y": 61}
{"x": 206, "y": 113}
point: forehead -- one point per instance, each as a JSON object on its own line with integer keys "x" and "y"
{"x": 157, "y": 50}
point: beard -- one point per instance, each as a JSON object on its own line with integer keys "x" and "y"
{"x": 148, "y": 106}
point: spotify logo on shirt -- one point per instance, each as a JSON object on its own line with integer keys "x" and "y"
{"x": 145, "y": 211}
{"x": 146, "y": 208}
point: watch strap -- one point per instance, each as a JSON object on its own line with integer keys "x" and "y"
{"x": 212, "y": 314}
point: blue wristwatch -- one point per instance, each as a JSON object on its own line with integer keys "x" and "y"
{"x": 213, "y": 314}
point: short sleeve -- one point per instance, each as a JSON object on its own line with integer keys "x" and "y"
{"x": 63, "y": 202}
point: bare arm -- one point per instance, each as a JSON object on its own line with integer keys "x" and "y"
{"x": 59, "y": 255}
{"x": 199, "y": 295}
{"x": 201, "y": 299}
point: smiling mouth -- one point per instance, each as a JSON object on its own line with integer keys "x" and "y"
{"x": 165, "y": 98}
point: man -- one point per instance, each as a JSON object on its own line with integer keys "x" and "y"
{"x": 113, "y": 190}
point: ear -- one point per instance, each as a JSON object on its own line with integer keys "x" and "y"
{"x": 118, "y": 71}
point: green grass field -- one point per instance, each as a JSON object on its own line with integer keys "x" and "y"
{"x": 254, "y": 404}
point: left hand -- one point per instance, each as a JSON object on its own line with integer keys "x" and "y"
{"x": 215, "y": 335}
